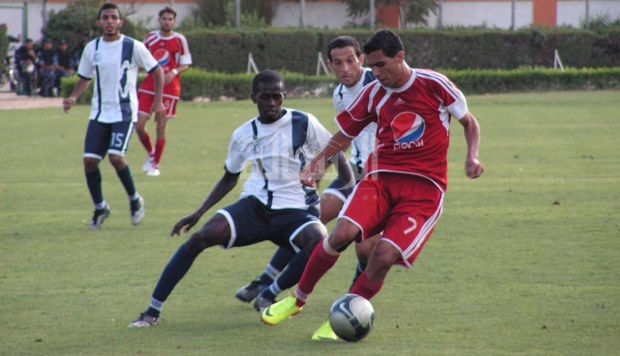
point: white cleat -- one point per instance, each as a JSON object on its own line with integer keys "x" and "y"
{"x": 153, "y": 171}
{"x": 148, "y": 164}
{"x": 137, "y": 210}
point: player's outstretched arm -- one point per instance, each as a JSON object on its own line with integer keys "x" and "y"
{"x": 78, "y": 90}
{"x": 225, "y": 185}
{"x": 473, "y": 168}
{"x": 158, "y": 106}
{"x": 316, "y": 168}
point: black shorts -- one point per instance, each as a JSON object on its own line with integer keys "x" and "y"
{"x": 252, "y": 222}
{"x": 102, "y": 138}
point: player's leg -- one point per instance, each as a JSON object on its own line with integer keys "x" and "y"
{"x": 279, "y": 261}
{"x": 95, "y": 147}
{"x": 371, "y": 280}
{"x": 365, "y": 209}
{"x": 363, "y": 250}
{"x": 216, "y": 231}
{"x": 305, "y": 238}
{"x": 121, "y": 134}
{"x": 411, "y": 222}
{"x": 161, "y": 121}
{"x": 144, "y": 107}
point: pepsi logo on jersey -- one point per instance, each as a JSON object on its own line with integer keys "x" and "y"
{"x": 162, "y": 56}
{"x": 408, "y": 129}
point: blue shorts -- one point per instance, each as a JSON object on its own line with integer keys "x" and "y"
{"x": 338, "y": 189}
{"x": 102, "y": 138}
{"x": 252, "y": 222}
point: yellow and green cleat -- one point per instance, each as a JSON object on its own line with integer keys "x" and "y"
{"x": 325, "y": 332}
{"x": 278, "y": 312}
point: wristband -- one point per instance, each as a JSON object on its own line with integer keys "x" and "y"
{"x": 175, "y": 71}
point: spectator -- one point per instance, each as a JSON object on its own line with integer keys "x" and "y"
{"x": 26, "y": 60}
{"x": 63, "y": 63}
{"x": 47, "y": 75}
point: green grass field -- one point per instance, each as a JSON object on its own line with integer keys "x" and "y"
{"x": 524, "y": 261}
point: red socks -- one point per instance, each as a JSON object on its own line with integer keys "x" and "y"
{"x": 320, "y": 262}
{"x": 159, "y": 150}
{"x": 146, "y": 142}
{"x": 365, "y": 287}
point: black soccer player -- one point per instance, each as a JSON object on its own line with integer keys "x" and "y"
{"x": 273, "y": 206}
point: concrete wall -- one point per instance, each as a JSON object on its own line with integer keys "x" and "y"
{"x": 572, "y": 12}
{"x": 491, "y": 13}
{"x": 320, "y": 15}
{"x": 334, "y": 14}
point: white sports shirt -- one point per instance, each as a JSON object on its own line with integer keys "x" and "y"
{"x": 364, "y": 143}
{"x": 115, "y": 68}
{"x": 277, "y": 152}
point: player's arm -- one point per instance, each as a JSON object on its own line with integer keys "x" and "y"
{"x": 225, "y": 185}
{"x": 473, "y": 168}
{"x": 169, "y": 77}
{"x": 158, "y": 106}
{"x": 337, "y": 143}
{"x": 78, "y": 90}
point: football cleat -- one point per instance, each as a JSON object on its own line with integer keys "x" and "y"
{"x": 98, "y": 217}
{"x": 261, "y": 303}
{"x": 325, "y": 332}
{"x": 136, "y": 208}
{"x": 144, "y": 321}
{"x": 247, "y": 293}
{"x": 153, "y": 171}
{"x": 147, "y": 165}
{"x": 278, "y": 312}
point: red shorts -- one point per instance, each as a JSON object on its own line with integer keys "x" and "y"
{"x": 145, "y": 101}
{"x": 404, "y": 207}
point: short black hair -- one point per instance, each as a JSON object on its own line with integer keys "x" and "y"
{"x": 267, "y": 76}
{"x": 107, "y": 6}
{"x": 384, "y": 40}
{"x": 342, "y": 42}
{"x": 168, "y": 10}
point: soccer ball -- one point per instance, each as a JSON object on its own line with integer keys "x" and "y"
{"x": 351, "y": 317}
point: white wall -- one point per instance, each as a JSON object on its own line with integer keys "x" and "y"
{"x": 572, "y": 12}
{"x": 320, "y": 15}
{"x": 13, "y": 17}
{"x": 493, "y": 14}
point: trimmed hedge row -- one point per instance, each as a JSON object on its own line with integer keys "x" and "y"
{"x": 296, "y": 50}
{"x": 4, "y": 45}
{"x": 200, "y": 84}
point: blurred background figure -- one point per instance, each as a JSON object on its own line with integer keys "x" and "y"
{"x": 26, "y": 60}
{"x": 46, "y": 69}
{"x": 63, "y": 63}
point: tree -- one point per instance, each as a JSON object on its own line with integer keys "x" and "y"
{"x": 411, "y": 11}
{"x": 222, "y": 12}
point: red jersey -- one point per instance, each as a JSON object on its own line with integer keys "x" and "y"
{"x": 413, "y": 124}
{"x": 170, "y": 52}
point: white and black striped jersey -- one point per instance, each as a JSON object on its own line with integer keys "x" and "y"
{"x": 277, "y": 153}
{"x": 364, "y": 143}
{"x": 114, "y": 65}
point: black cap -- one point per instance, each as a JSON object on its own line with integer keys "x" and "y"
{"x": 63, "y": 42}
{"x": 47, "y": 40}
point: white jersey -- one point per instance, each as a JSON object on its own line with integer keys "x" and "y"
{"x": 115, "y": 68}
{"x": 364, "y": 143}
{"x": 277, "y": 153}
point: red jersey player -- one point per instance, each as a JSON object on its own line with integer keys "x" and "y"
{"x": 171, "y": 51}
{"x": 402, "y": 193}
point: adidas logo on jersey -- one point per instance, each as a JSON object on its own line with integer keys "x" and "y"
{"x": 399, "y": 102}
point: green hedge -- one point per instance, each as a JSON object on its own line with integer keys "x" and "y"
{"x": 4, "y": 45}
{"x": 296, "y": 50}
{"x": 196, "y": 83}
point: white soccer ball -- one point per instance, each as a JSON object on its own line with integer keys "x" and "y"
{"x": 351, "y": 317}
